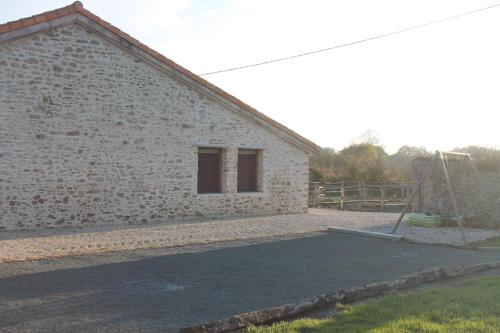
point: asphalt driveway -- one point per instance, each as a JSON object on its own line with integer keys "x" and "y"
{"x": 163, "y": 292}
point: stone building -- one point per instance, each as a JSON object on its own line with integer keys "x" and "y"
{"x": 97, "y": 128}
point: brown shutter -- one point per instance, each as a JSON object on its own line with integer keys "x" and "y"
{"x": 247, "y": 172}
{"x": 209, "y": 171}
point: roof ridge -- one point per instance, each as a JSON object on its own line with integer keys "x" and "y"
{"x": 77, "y": 7}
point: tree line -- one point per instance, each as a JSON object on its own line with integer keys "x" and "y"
{"x": 368, "y": 161}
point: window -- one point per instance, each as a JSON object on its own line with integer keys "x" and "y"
{"x": 209, "y": 170}
{"x": 247, "y": 170}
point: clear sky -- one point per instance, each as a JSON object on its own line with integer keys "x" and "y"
{"x": 437, "y": 87}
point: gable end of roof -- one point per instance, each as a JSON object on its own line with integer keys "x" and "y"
{"x": 26, "y": 26}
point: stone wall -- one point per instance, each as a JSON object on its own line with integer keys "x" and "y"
{"x": 478, "y": 199}
{"x": 90, "y": 134}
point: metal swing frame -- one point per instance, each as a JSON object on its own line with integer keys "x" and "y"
{"x": 442, "y": 158}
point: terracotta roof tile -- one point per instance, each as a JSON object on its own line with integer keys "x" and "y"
{"x": 52, "y": 15}
{"x": 4, "y": 28}
{"x": 16, "y": 25}
{"x": 77, "y": 7}
{"x": 113, "y": 29}
{"x": 40, "y": 18}
{"x": 27, "y": 22}
{"x": 63, "y": 11}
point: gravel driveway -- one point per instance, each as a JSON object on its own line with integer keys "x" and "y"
{"x": 53, "y": 243}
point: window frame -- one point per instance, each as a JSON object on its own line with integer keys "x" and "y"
{"x": 257, "y": 170}
{"x": 213, "y": 151}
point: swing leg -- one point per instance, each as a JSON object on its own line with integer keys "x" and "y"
{"x": 452, "y": 197}
{"x": 414, "y": 194}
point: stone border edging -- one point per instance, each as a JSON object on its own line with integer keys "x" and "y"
{"x": 468, "y": 246}
{"x": 488, "y": 248}
{"x": 346, "y": 296}
{"x": 367, "y": 233}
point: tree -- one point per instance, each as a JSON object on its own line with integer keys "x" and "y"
{"x": 400, "y": 162}
{"x": 369, "y": 137}
{"x": 487, "y": 159}
{"x": 366, "y": 162}
{"x": 370, "y": 162}
{"x": 323, "y": 166}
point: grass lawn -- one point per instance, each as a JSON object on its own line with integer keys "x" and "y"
{"x": 472, "y": 307}
{"x": 490, "y": 242}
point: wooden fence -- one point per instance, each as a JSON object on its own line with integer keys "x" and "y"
{"x": 367, "y": 196}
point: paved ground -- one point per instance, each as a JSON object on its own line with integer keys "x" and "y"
{"x": 53, "y": 243}
{"x": 162, "y": 290}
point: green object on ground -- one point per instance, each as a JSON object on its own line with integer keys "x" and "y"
{"x": 423, "y": 220}
{"x": 472, "y": 307}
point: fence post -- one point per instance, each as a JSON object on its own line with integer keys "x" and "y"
{"x": 412, "y": 206}
{"x": 316, "y": 194}
{"x": 382, "y": 197}
{"x": 342, "y": 195}
{"x": 420, "y": 201}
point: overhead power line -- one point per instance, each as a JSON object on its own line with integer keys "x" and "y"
{"x": 354, "y": 42}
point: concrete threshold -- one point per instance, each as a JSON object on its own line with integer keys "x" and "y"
{"x": 365, "y": 233}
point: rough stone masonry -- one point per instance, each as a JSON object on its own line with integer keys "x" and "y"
{"x": 478, "y": 197}
{"x": 91, "y": 134}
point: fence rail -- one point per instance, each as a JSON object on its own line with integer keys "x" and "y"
{"x": 372, "y": 196}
